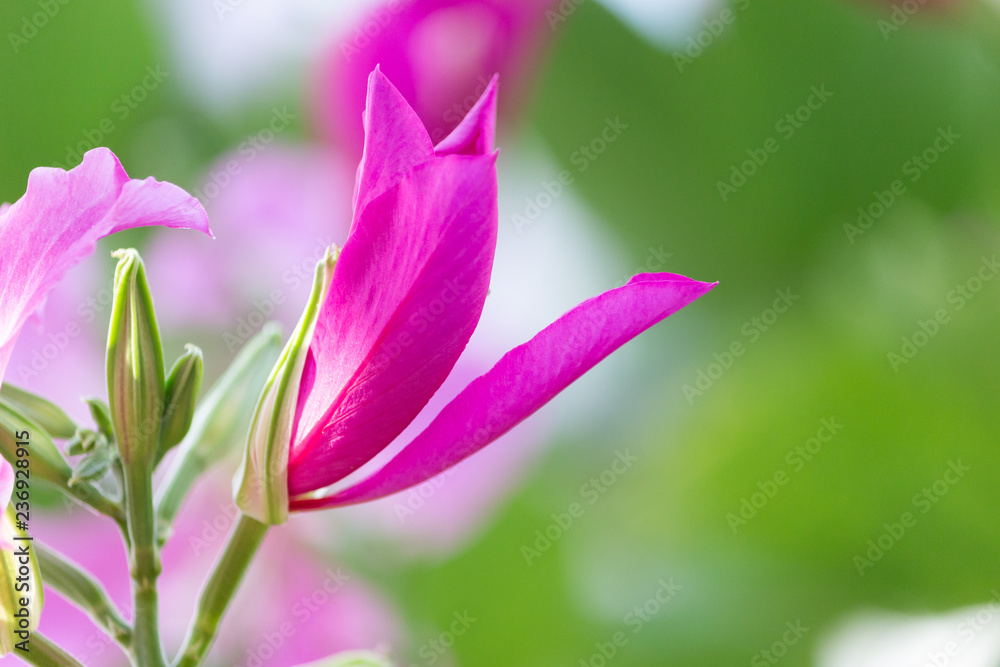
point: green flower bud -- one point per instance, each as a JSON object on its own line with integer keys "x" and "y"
{"x": 261, "y": 485}
{"x": 46, "y": 461}
{"x": 136, "y": 386}
{"x": 183, "y": 385}
{"x": 45, "y": 414}
{"x": 21, "y": 594}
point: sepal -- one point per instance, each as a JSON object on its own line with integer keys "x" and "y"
{"x": 261, "y": 486}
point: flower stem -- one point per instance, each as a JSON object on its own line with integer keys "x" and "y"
{"x": 43, "y": 653}
{"x": 84, "y": 591}
{"x": 219, "y": 589}
{"x": 145, "y": 565}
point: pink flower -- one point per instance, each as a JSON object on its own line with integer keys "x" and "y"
{"x": 440, "y": 54}
{"x": 60, "y": 218}
{"x": 403, "y": 300}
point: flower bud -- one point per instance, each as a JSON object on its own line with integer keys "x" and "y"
{"x": 261, "y": 486}
{"x": 46, "y": 461}
{"x": 136, "y": 385}
{"x": 21, "y": 593}
{"x": 42, "y": 412}
{"x": 183, "y": 385}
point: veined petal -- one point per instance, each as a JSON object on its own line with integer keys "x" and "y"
{"x": 524, "y": 380}
{"x": 60, "y": 218}
{"x": 474, "y": 135}
{"x": 406, "y": 296}
{"x": 395, "y": 142}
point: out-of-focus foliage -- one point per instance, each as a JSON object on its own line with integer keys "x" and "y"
{"x": 715, "y": 429}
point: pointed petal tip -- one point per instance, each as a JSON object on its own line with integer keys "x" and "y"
{"x": 476, "y": 133}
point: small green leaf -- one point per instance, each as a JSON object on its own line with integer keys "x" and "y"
{"x": 101, "y": 414}
{"x": 93, "y": 467}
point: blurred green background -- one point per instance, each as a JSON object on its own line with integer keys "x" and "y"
{"x": 707, "y": 442}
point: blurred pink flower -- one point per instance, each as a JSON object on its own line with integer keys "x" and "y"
{"x": 273, "y": 217}
{"x": 59, "y": 219}
{"x": 406, "y": 294}
{"x": 440, "y": 54}
{"x": 294, "y": 607}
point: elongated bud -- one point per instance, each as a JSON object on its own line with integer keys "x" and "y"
{"x": 21, "y": 594}
{"x": 136, "y": 384}
{"x": 47, "y": 415}
{"x": 261, "y": 486}
{"x": 183, "y": 385}
{"x": 46, "y": 461}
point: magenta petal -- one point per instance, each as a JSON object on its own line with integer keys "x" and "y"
{"x": 524, "y": 380}
{"x": 395, "y": 142}
{"x": 60, "y": 218}
{"x": 407, "y": 293}
{"x": 474, "y": 135}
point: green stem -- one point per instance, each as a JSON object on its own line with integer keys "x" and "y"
{"x": 44, "y": 653}
{"x": 219, "y": 589}
{"x": 145, "y": 562}
{"x": 84, "y": 591}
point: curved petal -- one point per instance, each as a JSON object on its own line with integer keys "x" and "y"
{"x": 407, "y": 293}
{"x": 474, "y": 135}
{"x": 395, "y": 142}
{"x": 524, "y": 380}
{"x": 59, "y": 219}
